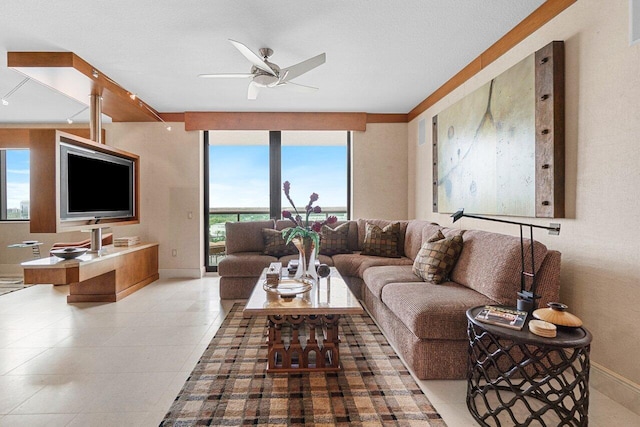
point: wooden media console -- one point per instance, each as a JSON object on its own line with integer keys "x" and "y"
{"x": 106, "y": 277}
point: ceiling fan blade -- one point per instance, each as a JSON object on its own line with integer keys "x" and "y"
{"x": 226, "y": 75}
{"x": 299, "y": 88}
{"x": 253, "y": 58}
{"x": 252, "y": 93}
{"x": 304, "y": 66}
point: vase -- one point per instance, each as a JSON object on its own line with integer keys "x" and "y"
{"x": 306, "y": 259}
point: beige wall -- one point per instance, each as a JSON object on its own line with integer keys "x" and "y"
{"x": 171, "y": 188}
{"x": 600, "y": 238}
{"x": 379, "y": 172}
{"x": 170, "y": 192}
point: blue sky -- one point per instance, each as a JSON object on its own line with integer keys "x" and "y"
{"x": 17, "y": 177}
{"x": 239, "y": 175}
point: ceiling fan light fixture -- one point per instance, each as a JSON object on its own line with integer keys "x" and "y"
{"x": 266, "y": 74}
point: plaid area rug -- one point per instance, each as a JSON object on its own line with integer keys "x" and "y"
{"x": 230, "y": 387}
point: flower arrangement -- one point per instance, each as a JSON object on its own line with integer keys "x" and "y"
{"x": 304, "y": 229}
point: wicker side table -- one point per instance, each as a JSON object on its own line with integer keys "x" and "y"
{"x": 518, "y": 378}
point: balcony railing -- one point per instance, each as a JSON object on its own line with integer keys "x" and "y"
{"x": 219, "y": 216}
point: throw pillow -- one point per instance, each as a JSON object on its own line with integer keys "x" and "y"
{"x": 275, "y": 245}
{"x": 436, "y": 258}
{"x": 334, "y": 241}
{"x": 382, "y": 241}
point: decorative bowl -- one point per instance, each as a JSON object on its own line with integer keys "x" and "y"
{"x": 557, "y": 314}
{"x": 68, "y": 253}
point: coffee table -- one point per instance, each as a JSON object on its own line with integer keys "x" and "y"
{"x": 315, "y": 312}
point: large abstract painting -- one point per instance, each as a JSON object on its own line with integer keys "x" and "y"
{"x": 485, "y": 147}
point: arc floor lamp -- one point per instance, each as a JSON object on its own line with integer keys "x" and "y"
{"x": 526, "y": 298}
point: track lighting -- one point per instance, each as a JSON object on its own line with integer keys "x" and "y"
{"x": 5, "y": 99}
{"x": 70, "y": 118}
{"x": 166, "y": 126}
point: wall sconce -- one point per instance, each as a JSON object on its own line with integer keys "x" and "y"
{"x": 5, "y": 99}
{"x": 526, "y": 298}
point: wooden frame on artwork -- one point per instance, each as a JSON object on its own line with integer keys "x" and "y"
{"x": 500, "y": 149}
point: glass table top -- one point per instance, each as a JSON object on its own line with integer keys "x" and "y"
{"x": 330, "y": 295}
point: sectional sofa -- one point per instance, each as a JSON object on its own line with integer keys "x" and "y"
{"x": 424, "y": 321}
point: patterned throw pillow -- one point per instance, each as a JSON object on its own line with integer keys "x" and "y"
{"x": 334, "y": 241}
{"x": 275, "y": 245}
{"x": 437, "y": 257}
{"x": 382, "y": 241}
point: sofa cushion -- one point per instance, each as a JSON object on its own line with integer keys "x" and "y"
{"x": 437, "y": 257}
{"x": 281, "y": 224}
{"x": 245, "y": 236}
{"x": 355, "y": 264}
{"x": 415, "y": 236}
{"x": 382, "y": 223}
{"x": 432, "y": 311}
{"x": 275, "y": 244}
{"x": 244, "y": 264}
{"x": 377, "y": 277}
{"x": 382, "y": 241}
{"x": 335, "y": 240}
{"x": 490, "y": 263}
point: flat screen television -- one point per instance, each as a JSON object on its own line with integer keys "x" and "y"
{"x": 95, "y": 185}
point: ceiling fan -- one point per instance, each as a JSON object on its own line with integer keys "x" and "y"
{"x": 266, "y": 74}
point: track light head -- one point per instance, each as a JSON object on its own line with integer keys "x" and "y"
{"x": 5, "y": 102}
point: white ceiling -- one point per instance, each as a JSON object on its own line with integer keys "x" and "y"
{"x": 382, "y": 56}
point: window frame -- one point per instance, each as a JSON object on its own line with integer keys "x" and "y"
{"x": 4, "y": 192}
{"x": 275, "y": 184}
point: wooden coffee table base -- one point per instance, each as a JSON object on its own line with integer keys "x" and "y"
{"x": 313, "y": 357}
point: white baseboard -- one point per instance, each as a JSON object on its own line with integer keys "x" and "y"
{"x": 616, "y": 387}
{"x": 187, "y": 273}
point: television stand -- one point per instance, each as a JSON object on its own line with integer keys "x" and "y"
{"x": 107, "y": 276}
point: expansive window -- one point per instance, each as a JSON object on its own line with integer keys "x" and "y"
{"x": 244, "y": 172}
{"x": 316, "y": 162}
{"x": 14, "y": 184}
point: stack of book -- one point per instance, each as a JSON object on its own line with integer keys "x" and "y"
{"x": 126, "y": 241}
{"x": 502, "y": 316}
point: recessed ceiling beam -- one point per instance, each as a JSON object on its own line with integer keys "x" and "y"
{"x": 72, "y": 76}
{"x": 274, "y": 121}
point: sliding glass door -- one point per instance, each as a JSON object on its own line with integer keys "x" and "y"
{"x": 244, "y": 171}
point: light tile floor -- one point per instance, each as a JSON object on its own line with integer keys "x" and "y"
{"x": 122, "y": 364}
